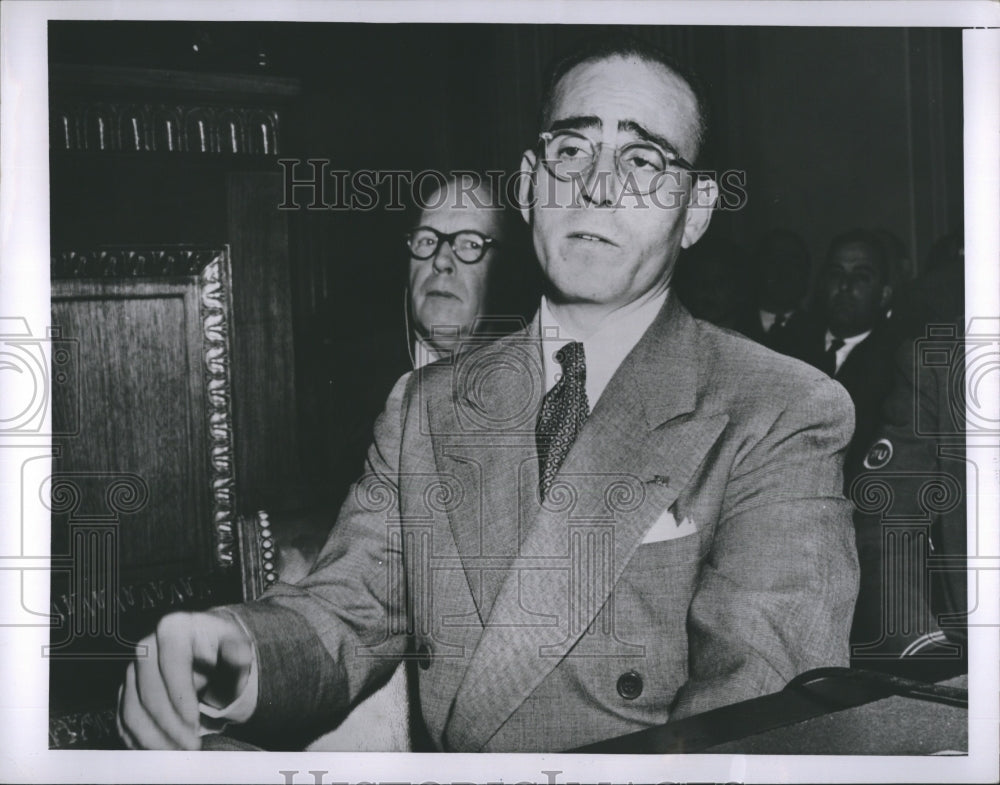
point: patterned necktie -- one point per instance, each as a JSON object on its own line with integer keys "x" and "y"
{"x": 830, "y": 357}
{"x": 564, "y": 410}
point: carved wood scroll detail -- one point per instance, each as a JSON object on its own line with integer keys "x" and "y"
{"x": 215, "y": 320}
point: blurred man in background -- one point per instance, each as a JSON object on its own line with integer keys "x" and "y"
{"x": 850, "y": 337}
{"x": 780, "y": 281}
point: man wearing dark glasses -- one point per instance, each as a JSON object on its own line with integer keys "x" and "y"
{"x": 617, "y": 517}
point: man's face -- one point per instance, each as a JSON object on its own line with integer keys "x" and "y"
{"x": 447, "y": 294}
{"x": 855, "y": 291}
{"x": 594, "y": 244}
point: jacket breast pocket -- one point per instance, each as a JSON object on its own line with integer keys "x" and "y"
{"x": 677, "y": 552}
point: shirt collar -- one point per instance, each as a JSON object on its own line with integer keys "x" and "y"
{"x": 849, "y": 343}
{"x": 767, "y": 317}
{"x": 604, "y": 349}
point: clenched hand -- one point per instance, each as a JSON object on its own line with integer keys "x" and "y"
{"x": 190, "y": 657}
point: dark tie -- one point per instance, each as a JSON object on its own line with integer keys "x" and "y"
{"x": 830, "y": 356}
{"x": 564, "y": 410}
{"x": 778, "y": 324}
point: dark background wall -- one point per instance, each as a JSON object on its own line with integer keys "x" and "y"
{"x": 833, "y": 127}
{"x": 845, "y": 127}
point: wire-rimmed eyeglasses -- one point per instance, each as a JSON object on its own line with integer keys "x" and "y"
{"x": 641, "y": 166}
{"x": 468, "y": 245}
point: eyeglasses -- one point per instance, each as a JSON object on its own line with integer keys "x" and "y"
{"x": 641, "y": 166}
{"x": 468, "y": 245}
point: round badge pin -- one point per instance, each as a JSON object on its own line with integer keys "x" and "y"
{"x": 879, "y": 454}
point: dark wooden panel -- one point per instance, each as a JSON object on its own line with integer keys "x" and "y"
{"x": 267, "y": 460}
{"x": 140, "y": 376}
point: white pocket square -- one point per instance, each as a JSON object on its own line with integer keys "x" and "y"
{"x": 667, "y": 528}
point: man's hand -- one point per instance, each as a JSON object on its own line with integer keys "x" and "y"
{"x": 189, "y": 655}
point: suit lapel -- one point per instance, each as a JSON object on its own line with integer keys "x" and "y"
{"x": 484, "y": 438}
{"x": 636, "y": 453}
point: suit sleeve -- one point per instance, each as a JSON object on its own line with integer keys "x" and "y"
{"x": 777, "y": 589}
{"x": 327, "y": 641}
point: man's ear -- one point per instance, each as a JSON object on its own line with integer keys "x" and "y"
{"x": 886, "y": 296}
{"x": 704, "y": 193}
{"x": 525, "y": 185}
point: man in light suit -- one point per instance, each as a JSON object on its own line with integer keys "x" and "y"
{"x": 618, "y": 517}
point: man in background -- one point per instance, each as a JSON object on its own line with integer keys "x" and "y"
{"x": 780, "y": 270}
{"x": 459, "y": 251}
{"x": 850, "y": 338}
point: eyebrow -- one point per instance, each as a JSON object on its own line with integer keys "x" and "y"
{"x": 575, "y": 122}
{"x": 647, "y": 136}
{"x": 592, "y": 121}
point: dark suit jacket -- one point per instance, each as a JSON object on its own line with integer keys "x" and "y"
{"x": 696, "y": 549}
{"x": 866, "y": 375}
{"x": 918, "y": 453}
{"x": 783, "y": 339}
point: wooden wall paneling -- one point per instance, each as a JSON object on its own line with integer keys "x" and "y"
{"x": 267, "y": 457}
{"x": 127, "y": 109}
{"x": 142, "y": 492}
{"x": 143, "y": 391}
{"x": 132, "y": 165}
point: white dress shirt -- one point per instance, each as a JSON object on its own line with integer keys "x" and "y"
{"x": 767, "y": 318}
{"x": 604, "y": 349}
{"x": 847, "y": 348}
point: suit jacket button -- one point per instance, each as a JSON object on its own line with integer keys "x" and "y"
{"x": 424, "y": 656}
{"x": 630, "y": 685}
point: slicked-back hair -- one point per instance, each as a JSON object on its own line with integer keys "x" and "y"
{"x": 606, "y": 47}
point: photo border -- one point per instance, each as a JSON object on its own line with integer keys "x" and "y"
{"x": 24, "y": 300}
